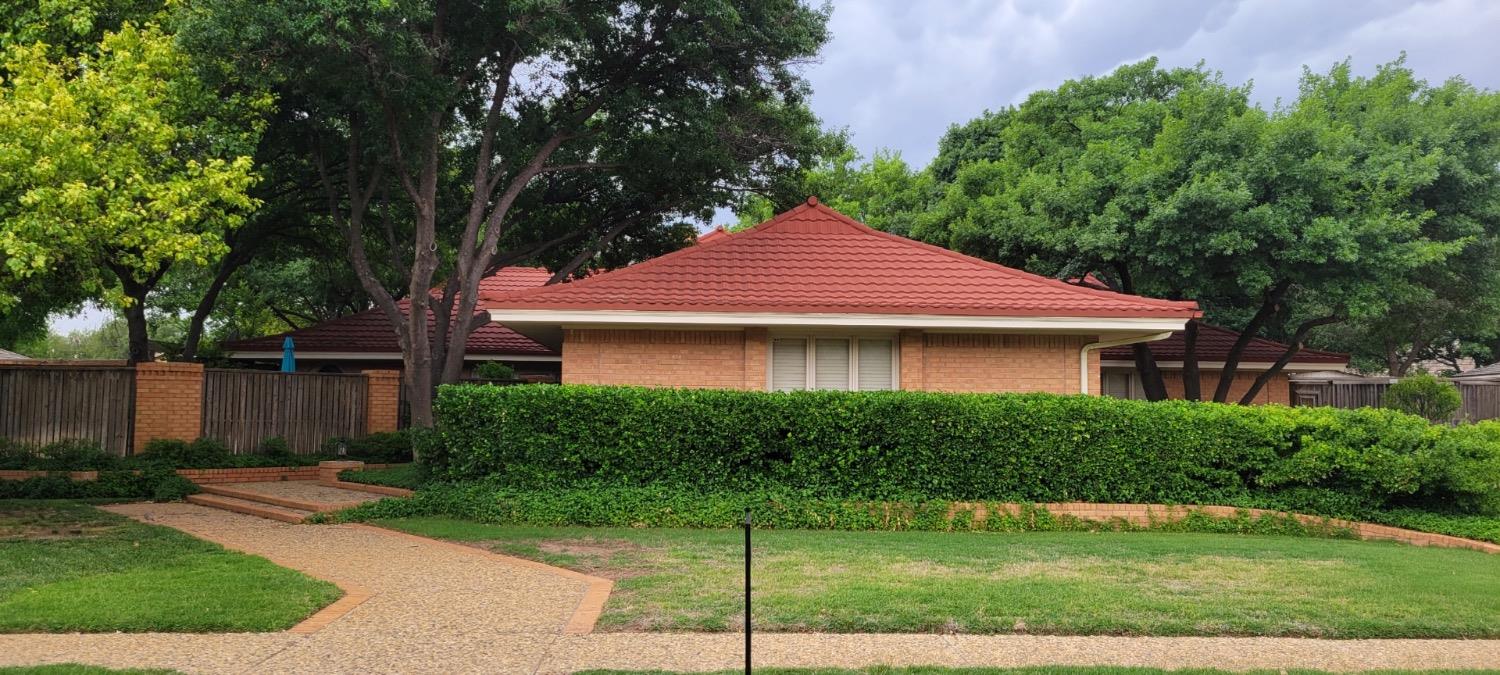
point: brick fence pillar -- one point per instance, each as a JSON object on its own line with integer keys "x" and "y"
{"x": 168, "y": 402}
{"x": 382, "y": 405}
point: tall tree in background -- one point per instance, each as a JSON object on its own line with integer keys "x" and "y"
{"x": 116, "y": 164}
{"x": 1170, "y": 183}
{"x": 508, "y": 130}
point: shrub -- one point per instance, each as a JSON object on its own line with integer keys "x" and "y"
{"x": 494, "y": 370}
{"x": 172, "y": 488}
{"x": 393, "y": 447}
{"x": 204, "y": 453}
{"x": 276, "y": 450}
{"x": 1425, "y": 396}
{"x": 1015, "y": 448}
{"x": 409, "y": 476}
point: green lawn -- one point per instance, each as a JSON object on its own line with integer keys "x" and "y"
{"x": 66, "y": 566}
{"x": 1038, "y": 670}
{"x": 1139, "y": 583}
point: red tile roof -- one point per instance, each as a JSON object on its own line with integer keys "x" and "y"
{"x": 370, "y": 332}
{"x": 814, "y": 259}
{"x": 1214, "y": 344}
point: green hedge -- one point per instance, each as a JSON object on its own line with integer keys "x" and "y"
{"x": 660, "y": 506}
{"x": 1019, "y": 448}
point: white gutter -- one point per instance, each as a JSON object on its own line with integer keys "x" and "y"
{"x": 1083, "y": 354}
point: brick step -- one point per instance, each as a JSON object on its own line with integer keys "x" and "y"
{"x": 273, "y": 500}
{"x": 250, "y": 508}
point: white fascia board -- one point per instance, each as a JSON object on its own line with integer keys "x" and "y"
{"x": 387, "y": 356}
{"x": 1219, "y": 365}
{"x": 585, "y": 318}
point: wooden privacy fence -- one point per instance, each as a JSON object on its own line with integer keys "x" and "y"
{"x": 243, "y": 408}
{"x": 45, "y": 405}
{"x": 1481, "y": 401}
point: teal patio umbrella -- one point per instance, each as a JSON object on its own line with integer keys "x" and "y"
{"x": 288, "y": 359}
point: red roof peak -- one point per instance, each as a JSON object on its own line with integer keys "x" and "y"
{"x": 812, "y": 200}
{"x": 813, "y": 259}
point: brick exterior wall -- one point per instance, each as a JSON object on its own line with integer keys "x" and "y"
{"x": 383, "y": 401}
{"x": 1277, "y": 390}
{"x": 168, "y": 402}
{"x": 1000, "y": 363}
{"x": 660, "y": 358}
{"x": 736, "y": 359}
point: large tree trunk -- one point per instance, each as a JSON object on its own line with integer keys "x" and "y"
{"x": 206, "y": 305}
{"x": 1192, "y": 383}
{"x": 1268, "y": 306}
{"x": 1286, "y": 356}
{"x": 138, "y": 348}
{"x": 1151, "y": 379}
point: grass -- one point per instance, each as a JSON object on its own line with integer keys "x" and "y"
{"x": 78, "y": 669}
{"x": 1034, "y": 670}
{"x": 1126, "y": 583}
{"x": 66, "y": 566}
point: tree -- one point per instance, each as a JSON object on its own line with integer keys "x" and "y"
{"x": 509, "y": 130}
{"x": 1426, "y": 396}
{"x": 884, "y": 193}
{"x": 115, "y": 166}
{"x": 1170, "y": 183}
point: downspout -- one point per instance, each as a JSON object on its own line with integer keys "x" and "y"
{"x": 1083, "y": 354}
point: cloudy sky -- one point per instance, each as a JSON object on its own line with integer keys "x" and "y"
{"x": 898, "y": 72}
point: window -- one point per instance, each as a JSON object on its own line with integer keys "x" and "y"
{"x": 835, "y": 363}
{"x": 1119, "y": 385}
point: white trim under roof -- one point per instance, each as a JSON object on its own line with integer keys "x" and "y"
{"x": 387, "y": 356}
{"x": 1219, "y": 365}
{"x": 586, "y": 318}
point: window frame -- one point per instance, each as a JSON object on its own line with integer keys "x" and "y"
{"x": 810, "y": 340}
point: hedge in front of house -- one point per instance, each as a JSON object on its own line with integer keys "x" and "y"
{"x": 1013, "y": 447}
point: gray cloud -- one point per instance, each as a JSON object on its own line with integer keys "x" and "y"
{"x": 898, "y": 73}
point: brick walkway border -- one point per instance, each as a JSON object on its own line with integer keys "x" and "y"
{"x": 1148, "y": 514}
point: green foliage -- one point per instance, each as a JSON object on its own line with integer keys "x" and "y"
{"x": 70, "y": 455}
{"x": 781, "y": 509}
{"x": 1425, "y": 396}
{"x": 120, "y": 162}
{"x": 494, "y": 370}
{"x": 392, "y": 447}
{"x": 172, "y": 488}
{"x": 409, "y": 476}
{"x": 1482, "y": 528}
{"x": 275, "y": 449}
{"x": 1024, "y": 448}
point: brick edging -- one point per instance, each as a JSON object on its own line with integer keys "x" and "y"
{"x": 585, "y": 615}
{"x": 1148, "y": 514}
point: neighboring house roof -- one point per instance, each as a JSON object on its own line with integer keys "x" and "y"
{"x": 7, "y": 355}
{"x": 1214, "y": 344}
{"x": 1490, "y": 371}
{"x": 369, "y": 332}
{"x": 813, "y": 259}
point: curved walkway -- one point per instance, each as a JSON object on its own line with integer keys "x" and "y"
{"x": 417, "y": 605}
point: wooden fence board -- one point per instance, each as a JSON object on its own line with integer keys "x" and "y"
{"x": 242, "y": 408}
{"x": 1481, "y": 401}
{"x": 41, "y": 405}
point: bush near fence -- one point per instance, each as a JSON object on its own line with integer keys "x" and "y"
{"x": 1013, "y": 447}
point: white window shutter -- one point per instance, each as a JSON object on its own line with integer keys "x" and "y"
{"x": 875, "y": 371}
{"x": 831, "y": 364}
{"x": 788, "y": 364}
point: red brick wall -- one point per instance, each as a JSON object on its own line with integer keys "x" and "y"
{"x": 168, "y": 402}
{"x": 382, "y": 404}
{"x": 737, "y": 360}
{"x": 1000, "y": 363}
{"x": 1277, "y": 390}
{"x": 660, "y": 358}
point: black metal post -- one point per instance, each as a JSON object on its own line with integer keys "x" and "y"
{"x": 747, "y": 591}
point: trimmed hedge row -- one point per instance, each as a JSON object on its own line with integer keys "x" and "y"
{"x": 1014, "y": 448}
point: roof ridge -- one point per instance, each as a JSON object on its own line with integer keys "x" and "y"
{"x": 1014, "y": 272}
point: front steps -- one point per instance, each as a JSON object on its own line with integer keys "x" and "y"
{"x": 250, "y": 507}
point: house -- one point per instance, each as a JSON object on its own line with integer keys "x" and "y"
{"x": 365, "y": 341}
{"x": 812, "y": 299}
{"x": 1121, "y": 378}
{"x": 6, "y": 355}
{"x": 1482, "y": 375}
